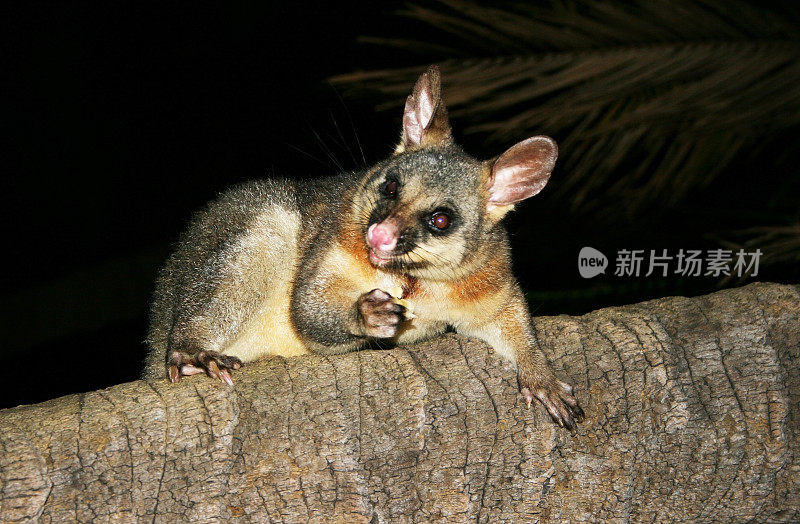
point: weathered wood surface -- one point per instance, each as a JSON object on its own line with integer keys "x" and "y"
{"x": 692, "y": 414}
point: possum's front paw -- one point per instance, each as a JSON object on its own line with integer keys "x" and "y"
{"x": 380, "y": 314}
{"x": 215, "y": 365}
{"x": 556, "y": 396}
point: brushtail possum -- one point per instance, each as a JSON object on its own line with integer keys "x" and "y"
{"x": 282, "y": 267}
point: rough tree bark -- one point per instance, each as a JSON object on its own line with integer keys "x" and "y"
{"x": 692, "y": 414}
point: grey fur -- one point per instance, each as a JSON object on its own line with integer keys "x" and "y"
{"x": 189, "y": 314}
{"x": 282, "y": 267}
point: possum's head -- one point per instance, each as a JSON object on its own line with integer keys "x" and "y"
{"x": 429, "y": 207}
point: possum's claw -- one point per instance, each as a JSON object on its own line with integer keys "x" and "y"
{"x": 397, "y": 297}
{"x": 557, "y": 399}
{"x": 214, "y": 364}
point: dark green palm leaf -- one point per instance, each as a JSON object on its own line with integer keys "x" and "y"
{"x": 650, "y": 101}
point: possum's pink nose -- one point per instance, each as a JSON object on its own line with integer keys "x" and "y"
{"x": 383, "y": 235}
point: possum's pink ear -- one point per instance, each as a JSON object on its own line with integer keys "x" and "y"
{"x": 425, "y": 120}
{"x": 522, "y": 171}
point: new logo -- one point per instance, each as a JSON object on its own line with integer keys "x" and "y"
{"x": 591, "y": 262}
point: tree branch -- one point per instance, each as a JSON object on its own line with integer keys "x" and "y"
{"x": 691, "y": 403}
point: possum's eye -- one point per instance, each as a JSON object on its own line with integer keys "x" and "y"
{"x": 390, "y": 188}
{"x": 439, "y": 221}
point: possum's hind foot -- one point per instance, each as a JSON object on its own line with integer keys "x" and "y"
{"x": 214, "y": 364}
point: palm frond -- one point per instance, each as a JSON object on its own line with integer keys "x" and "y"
{"x": 649, "y": 100}
{"x": 780, "y": 244}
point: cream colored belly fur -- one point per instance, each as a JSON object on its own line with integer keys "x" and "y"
{"x": 269, "y": 330}
{"x": 270, "y": 250}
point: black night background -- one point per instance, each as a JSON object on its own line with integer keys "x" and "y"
{"x": 122, "y": 118}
